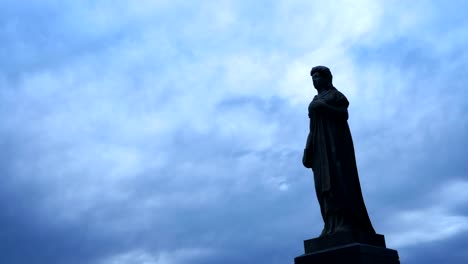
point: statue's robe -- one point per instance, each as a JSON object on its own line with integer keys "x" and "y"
{"x": 330, "y": 152}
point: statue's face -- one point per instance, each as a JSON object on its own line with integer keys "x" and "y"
{"x": 319, "y": 81}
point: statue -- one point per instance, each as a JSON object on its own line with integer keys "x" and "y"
{"x": 329, "y": 151}
{"x": 348, "y": 235}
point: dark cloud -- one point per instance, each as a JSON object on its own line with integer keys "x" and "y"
{"x": 449, "y": 251}
{"x": 150, "y": 138}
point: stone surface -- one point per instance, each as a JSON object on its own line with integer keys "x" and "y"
{"x": 354, "y": 253}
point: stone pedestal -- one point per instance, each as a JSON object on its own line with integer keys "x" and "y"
{"x": 352, "y": 248}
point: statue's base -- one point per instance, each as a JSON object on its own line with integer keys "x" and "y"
{"x": 355, "y": 248}
{"x": 341, "y": 239}
{"x": 353, "y": 253}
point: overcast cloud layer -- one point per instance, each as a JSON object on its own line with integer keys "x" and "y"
{"x": 171, "y": 132}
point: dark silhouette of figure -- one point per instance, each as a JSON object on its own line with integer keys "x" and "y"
{"x": 329, "y": 152}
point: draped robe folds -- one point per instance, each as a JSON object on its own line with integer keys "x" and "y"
{"x": 331, "y": 155}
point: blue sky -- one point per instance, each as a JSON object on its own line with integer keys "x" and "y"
{"x": 167, "y": 132}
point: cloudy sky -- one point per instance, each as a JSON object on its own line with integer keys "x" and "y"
{"x": 171, "y": 132}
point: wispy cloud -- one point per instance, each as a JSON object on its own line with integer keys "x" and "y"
{"x": 162, "y": 131}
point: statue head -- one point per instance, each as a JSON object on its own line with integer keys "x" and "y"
{"x": 321, "y": 77}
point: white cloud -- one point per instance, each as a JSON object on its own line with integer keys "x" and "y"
{"x": 452, "y": 194}
{"x": 426, "y": 225}
{"x": 179, "y": 256}
{"x": 169, "y": 115}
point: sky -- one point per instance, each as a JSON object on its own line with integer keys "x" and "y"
{"x": 172, "y": 132}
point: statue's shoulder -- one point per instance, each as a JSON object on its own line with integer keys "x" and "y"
{"x": 337, "y": 93}
{"x": 313, "y": 99}
{"x": 310, "y": 104}
{"x": 340, "y": 98}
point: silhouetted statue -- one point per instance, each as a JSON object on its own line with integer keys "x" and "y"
{"x": 329, "y": 152}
